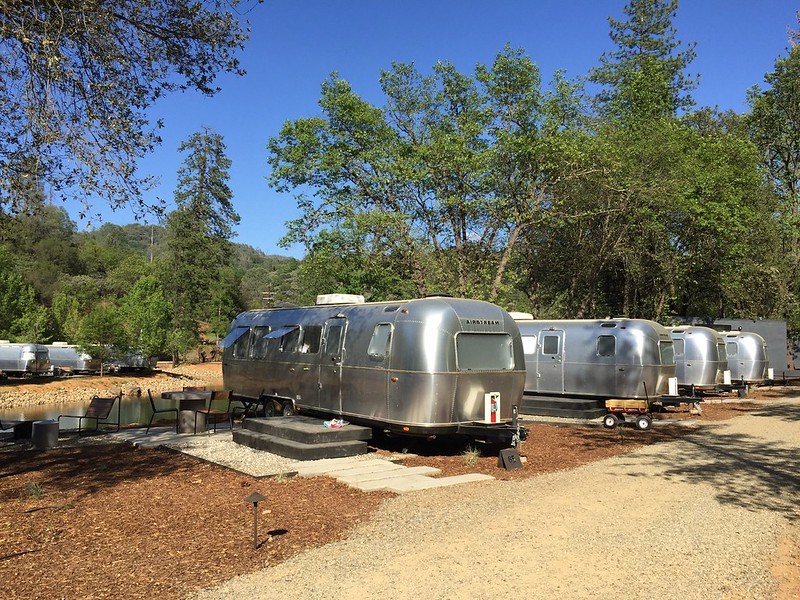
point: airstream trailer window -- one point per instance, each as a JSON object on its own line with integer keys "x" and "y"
{"x": 259, "y": 349}
{"x": 667, "y": 352}
{"x": 678, "y": 347}
{"x": 233, "y": 335}
{"x": 290, "y": 342}
{"x": 606, "y": 345}
{"x": 333, "y": 340}
{"x": 529, "y": 344}
{"x": 312, "y": 334}
{"x": 484, "y": 352}
{"x": 550, "y": 344}
{"x": 241, "y": 347}
{"x": 732, "y": 349}
{"x": 379, "y": 343}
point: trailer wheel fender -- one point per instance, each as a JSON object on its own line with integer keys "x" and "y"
{"x": 644, "y": 422}
{"x": 610, "y": 421}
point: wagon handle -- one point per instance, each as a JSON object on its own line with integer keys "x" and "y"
{"x": 646, "y": 396}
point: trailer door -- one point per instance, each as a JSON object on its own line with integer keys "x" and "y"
{"x": 330, "y": 371}
{"x": 551, "y": 361}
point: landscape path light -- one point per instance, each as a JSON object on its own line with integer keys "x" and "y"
{"x": 255, "y": 498}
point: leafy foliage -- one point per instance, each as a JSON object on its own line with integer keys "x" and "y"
{"x": 76, "y": 81}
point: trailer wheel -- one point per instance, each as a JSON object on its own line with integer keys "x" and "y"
{"x": 643, "y": 422}
{"x": 287, "y": 409}
{"x": 610, "y": 421}
{"x": 269, "y": 407}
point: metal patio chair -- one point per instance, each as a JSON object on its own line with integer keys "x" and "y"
{"x": 99, "y": 409}
{"x": 214, "y": 415}
{"x": 160, "y": 411}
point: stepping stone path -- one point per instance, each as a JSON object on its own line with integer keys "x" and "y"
{"x": 380, "y": 474}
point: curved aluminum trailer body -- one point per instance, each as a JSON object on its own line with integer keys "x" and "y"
{"x": 747, "y": 356}
{"x": 24, "y": 359}
{"x": 71, "y": 359}
{"x": 612, "y": 358}
{"x": 429, "y": 366}
{"x": 700, "y": 356}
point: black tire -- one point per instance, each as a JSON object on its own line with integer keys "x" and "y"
{"x": 269, "y": 407}
{"x": 643, "y": 422}
{"x": 610, "y": 421}
{"x": 287, "y": 409}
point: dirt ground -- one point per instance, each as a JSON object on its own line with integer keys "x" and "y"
{"x": 109, "y": 520}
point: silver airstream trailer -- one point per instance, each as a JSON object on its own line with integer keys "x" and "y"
{"x": 23, "y": 360}
{"x": 426, "y": 367}
{"x": 597, "y": 359}
{"x": 700, "y": 359}
{"x": 68, "y": 359}
{"x": 747, "y": 356}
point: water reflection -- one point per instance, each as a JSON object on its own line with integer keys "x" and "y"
{"x": 133, "y": 409}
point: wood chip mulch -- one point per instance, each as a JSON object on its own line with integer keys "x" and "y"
{"x": 101, "y": 521}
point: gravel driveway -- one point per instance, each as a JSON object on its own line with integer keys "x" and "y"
{"x": 698, "y": 518}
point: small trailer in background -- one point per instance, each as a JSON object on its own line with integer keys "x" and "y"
{"x": 69, "y": 359}
{"x": 23, "y": 360}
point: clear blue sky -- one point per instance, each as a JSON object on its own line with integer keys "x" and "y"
{"x": 296, "y": 44}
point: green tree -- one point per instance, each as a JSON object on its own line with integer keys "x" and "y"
{"x": 24, "y": 319}
{"x": 79, "y": 77}
{"x": 102, "y": 334}
{"x": 198, "y": 238}
{"x": 146, "y": 316}
{"x": 774, "y": 125}
{"x": 647, "y": 69}
{"x": 437, "y": 187}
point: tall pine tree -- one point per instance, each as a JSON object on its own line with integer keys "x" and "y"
{"x": 198, "y": 236}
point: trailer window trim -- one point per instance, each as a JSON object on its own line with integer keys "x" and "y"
{"x": 606, "y": 345}
{"x": 474, "y": 351}
{"x": 258, "y": 349}
{"x": 380, "y": 342}
{"x": 547, "y": 344}
{"x": 232, "y": 336}
{"x": 311, "y": 339}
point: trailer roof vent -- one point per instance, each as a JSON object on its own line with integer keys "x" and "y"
{"x": 521, "y": 316}
{"x": 340, "y": 299}
{"x": 60, "y": 344}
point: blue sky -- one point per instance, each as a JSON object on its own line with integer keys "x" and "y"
{"x": 296, "y": 44}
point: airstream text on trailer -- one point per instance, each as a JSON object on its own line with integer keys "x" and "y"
{"x": 427, "y": 367}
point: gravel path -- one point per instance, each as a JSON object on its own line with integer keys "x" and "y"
{"x": 699, "y": 518}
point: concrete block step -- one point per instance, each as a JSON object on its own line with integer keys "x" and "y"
{"x": 298, "y": 450}
{"x": 307, "y": 430}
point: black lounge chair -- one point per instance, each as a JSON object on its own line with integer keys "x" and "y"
{"x": 99, "y": 409}
{"x": 158, "y": 411}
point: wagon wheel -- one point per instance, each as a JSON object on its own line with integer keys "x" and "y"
{"x": 644, "y": 422}
{"x": 610, "y": 421}
{"x": 287, "y": 409}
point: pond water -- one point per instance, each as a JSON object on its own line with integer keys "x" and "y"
{"x": 132, "y": 410}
